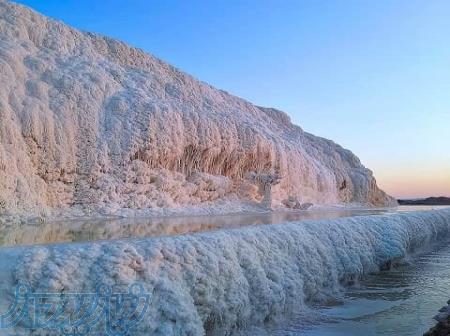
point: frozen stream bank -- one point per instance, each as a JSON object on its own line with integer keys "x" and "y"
{"x": 228, "y": 280}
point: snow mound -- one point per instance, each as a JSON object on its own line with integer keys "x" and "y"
{"x": 88, "y": 122}
{"x": 222, "y": 281}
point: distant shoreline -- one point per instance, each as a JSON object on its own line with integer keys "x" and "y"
{"x": 425, "y": 201}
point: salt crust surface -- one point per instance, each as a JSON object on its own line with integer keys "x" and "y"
{"x": 91, "y": 125}
{"x": 224, "y": 281}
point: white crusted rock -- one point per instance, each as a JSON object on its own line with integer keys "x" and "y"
{"x": 88, "y": 122}
{"x": 218, "y": 281}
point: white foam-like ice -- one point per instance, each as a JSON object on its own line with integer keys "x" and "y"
{"x": 221, "y": 281}
{"x": 89, "y": 124}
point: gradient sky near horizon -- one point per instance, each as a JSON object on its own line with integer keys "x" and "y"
{"x": 374, "y": 76}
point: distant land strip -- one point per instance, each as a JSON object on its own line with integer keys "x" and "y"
{"x": 426, "y": 201}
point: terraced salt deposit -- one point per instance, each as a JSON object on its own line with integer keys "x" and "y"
{"x": 230, "y": 280}
{"x": 91, "y": 125}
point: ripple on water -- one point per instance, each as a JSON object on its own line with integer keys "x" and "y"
{"x": 399, "y": 302}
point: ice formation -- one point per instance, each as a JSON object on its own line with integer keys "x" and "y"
{"x": 88, "y": 122}
{"x": 222, "y": 281}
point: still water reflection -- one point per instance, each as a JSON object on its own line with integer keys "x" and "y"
{"x": 120, "y": 228}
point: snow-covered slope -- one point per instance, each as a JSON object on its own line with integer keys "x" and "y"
{"x": 217, "y": 282}
{"x": 89, "y": 122}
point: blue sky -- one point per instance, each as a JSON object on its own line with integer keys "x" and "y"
{"x": 373, "y": 76}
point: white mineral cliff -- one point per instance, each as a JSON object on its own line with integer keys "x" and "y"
{"x": 89, "y": 123}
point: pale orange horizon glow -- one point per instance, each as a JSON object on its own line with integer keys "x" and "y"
{"x": 411, "y": 182}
